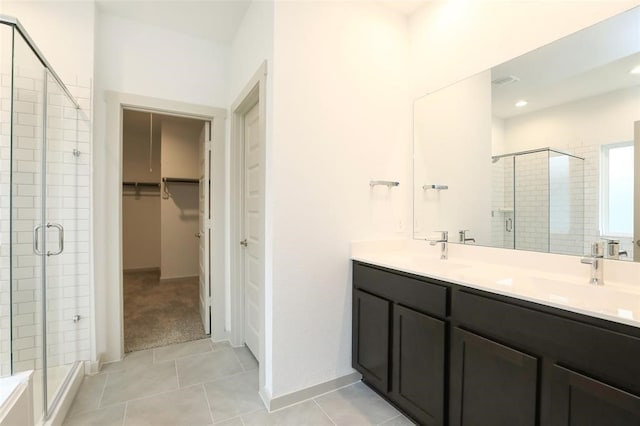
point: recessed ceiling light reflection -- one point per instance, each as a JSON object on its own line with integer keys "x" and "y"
{"x": 635, "y": 70}
{"x": 521, "y": 103}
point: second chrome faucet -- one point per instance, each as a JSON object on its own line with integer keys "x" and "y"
{"x": 444, "y": 240}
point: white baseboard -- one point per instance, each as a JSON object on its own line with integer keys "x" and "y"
{"x": 283, "y": 401}
{"x": 169, "y": 279}
{"x": 134, "y": 270}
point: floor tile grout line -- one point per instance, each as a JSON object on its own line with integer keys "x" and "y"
{"x": 126, "y": 401}
{"x": 217, "y": 379}
{"x": 175, "y": 365}
{"x": 193, "y": 354}
{"x": 238, "y": 358}
{"x": 124, "y": 415}
{"x": 324, "y": 412}
{"x": 206, "y": 398}
{"x": 104, "y": 387}
{"x": 249, "y": 413}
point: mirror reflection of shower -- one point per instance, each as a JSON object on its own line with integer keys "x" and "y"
{"x": 538, "y": 201}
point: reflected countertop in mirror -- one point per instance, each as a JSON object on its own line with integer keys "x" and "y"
{"x": 537, "y": 153}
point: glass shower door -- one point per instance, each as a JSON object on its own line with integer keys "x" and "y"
{"x": 502, "y": 217}
{"x": 6, "y": 49}
{"x": 28, "y": 239}
{"x": 66, "y": 258}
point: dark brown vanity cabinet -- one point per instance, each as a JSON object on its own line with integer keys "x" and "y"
{"x": 402, "y": 351}
{"x": 451, "y": 355}
{"x": 581, "y": 400}
{"x": 491, "y": 384}
{"x": 371, "y": 325}
{"x": 418, "y": 364}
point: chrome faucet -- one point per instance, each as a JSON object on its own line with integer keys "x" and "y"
{"x": 613, "y": 249}
{"x": 596, "y": 260}
{"x": 463, "y": 237}
{"x": 444, "y": 239}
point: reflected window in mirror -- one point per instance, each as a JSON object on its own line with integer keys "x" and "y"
{"x": 617, "y": 190}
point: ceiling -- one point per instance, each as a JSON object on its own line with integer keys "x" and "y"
{"x": 215, "y": 20}
{"x": 590, "y": 62}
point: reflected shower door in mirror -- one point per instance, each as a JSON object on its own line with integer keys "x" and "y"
{"x": 538, "y": 152}
{"x": 537, "y": 201}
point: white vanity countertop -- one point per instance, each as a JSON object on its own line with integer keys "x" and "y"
{"x": 553, "y": 280}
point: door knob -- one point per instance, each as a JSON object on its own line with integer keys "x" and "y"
{"x": 198, "y": 234}
{"x": 244, "y": 243}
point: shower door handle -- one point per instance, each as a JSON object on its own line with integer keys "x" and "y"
{"x": 60, "y": 239}
{"x": 36, "y": 240}
{"x": 508, "y": 225}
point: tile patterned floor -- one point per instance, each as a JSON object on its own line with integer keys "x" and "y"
{"x": 202, "y": 383}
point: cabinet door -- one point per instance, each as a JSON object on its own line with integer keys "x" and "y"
{"x": 370, "y": 348}
{"x": 579, "y": 400}
{"x": 491, "y": 384}
{"x": 418, "y": 365}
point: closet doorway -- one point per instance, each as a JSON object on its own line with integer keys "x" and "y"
{"x": 165, "y": 229}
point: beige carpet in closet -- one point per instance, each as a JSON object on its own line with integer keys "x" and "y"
{"x": 159, "y": 313}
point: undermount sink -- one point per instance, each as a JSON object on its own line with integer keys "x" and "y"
{"x": 604, "y": 299}
{"x": 429, "y": 264}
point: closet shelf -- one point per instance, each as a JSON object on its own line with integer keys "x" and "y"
{"x": 179, "y": 180}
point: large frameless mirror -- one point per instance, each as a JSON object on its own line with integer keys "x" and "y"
{"x": 537, "y": 153}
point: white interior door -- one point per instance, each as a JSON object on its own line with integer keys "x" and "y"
{"x": 204, "y": 226}
{"x": 253, "y": 229}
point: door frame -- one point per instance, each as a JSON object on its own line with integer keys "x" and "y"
{"x": 108, "y": 276}
{"x": 253, "y": 93}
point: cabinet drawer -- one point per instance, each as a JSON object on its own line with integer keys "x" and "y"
{"x": 421, "y": 295}
{"x": 608, "y": 355}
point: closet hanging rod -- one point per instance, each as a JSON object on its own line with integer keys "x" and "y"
{"x": 179, "y": 180}
{"x": 141, "y": 184}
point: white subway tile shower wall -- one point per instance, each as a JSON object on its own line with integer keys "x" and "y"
{"x": 531, "y": 202}
{"x": 68, "y": 203}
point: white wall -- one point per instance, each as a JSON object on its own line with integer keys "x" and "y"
{"x": 179, "y": 212}
{"x": 342, "y": 116}
{"x": 133, "y": 57}
{"x": 455, "y": 120}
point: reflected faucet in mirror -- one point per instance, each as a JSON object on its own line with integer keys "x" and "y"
{"x": 444, "y": 240}
{"x": 463, "y": 237}
{"x": 613, "y": 249}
